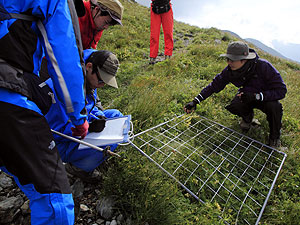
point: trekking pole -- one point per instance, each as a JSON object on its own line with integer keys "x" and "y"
{"x": 86, "y": 144}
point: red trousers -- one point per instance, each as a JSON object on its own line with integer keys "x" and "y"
{"x": 166, "y": 20}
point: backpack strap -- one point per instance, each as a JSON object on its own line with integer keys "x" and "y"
{"x": 41, "y": 27}
{"x": 23, "y": 17}
{"x": 4, "y": 15}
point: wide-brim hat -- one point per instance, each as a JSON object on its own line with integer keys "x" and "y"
{"x": 238, "y": 50}
{"x": 113, "y": 7}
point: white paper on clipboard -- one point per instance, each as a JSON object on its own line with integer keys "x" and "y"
{"x": 115, "y": 132}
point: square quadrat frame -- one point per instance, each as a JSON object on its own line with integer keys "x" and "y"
{"x": 214, "y": 164}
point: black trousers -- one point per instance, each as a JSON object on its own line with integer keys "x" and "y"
{"x": 28, "y": 150}
{"x": 273, "y": 110}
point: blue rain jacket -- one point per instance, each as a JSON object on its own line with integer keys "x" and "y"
{"x": 23, "y": 47}
{"x": 87, "y": 159}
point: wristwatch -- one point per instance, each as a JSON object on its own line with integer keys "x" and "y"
{"x": 257, "y": 97}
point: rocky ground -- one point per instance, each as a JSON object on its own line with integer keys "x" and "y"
{"x": 94, "y": 209}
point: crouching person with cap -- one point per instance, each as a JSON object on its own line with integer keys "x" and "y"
{"x": 261, "y": 87}
{"x": 101, "y": 69}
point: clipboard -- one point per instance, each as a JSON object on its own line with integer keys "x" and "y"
{"x": 116, "y": 131}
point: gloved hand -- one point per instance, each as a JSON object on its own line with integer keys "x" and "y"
{"x": 190, "y": 106}
{"x": 98, "y": 124}
{"x": 248, "y": 97}
{"x": 80, "y": 130}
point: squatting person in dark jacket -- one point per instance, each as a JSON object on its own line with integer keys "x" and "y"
{"x": 261, "y": 87}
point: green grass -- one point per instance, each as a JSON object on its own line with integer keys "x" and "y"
{"x": 154, "y": 93}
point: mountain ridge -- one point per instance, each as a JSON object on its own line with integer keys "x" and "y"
{"x": 266, "y": 48}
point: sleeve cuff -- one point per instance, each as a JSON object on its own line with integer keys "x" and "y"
{"x": 199, "y": 98}
{"x": 261, "y": 96}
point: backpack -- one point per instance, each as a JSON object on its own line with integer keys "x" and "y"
{"x": 37, "y": 91}
{"x": 161, "y": 6}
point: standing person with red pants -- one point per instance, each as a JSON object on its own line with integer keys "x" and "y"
{"x": 161, "y": 14}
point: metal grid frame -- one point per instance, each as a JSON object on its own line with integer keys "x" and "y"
{"x": 214, "y": 164}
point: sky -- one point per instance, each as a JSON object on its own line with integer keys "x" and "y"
{"x": 263, "y": 20}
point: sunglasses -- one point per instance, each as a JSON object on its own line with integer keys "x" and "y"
{"x": 100, "y": 81}
{"x": 111, "y": 22}
{"x": 104, "y": 12}
{"x": 229, "y": 60}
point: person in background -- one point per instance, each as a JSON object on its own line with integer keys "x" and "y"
{"x": 101, "y": 69}
{"x": 99, "y": 15}
{"x": 28, "y": 151}
{"x": 161, "y": 15}
{"x": 94, "y": 17}
{"x": 261, "y": 87}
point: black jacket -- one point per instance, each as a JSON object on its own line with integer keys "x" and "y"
{"x": 262, "y": 78}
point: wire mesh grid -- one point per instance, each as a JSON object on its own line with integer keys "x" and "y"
{"x": 214, "y": 164}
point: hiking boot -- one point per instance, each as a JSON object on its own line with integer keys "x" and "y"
{"x": 274, "y": 143}
{"x": 245, "y": 126}
{"x": 167, "y": 57}
{"x": 89, "y": 177}
{"x": 255, "y": 122}
{"x": 152, "y": 61}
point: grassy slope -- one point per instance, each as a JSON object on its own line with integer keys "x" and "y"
{"x": 152, "y": 94}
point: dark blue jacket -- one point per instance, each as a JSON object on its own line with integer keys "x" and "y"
{"x": 265, "y": 80}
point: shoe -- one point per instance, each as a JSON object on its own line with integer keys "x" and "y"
{"x": 245, "y": 126}
{"x": 89, "y": 177}
{"x": 167, "y": 57}
{"x": 274, "y": 143}
{"x": 152, "y": 61}
{"x": 255, "y": 122}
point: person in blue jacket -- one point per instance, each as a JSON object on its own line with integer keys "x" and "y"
{"x": 261, "y": 87}
{"x": 28, "y": 151}
{"x": 101, "y": 69}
